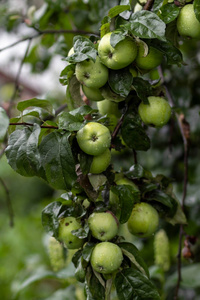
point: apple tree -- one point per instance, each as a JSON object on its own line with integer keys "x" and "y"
{"x": 127, "y": 75}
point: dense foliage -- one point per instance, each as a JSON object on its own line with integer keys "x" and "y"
{"x": 143, "y": 159}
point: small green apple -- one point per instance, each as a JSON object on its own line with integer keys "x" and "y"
{"x": 144, "y": 220}
{"x": 157, "y": 113}
{"x": 65, "y": 233}
{"x": 106, "y": 258}
{"x": 100, "y": 162}
{"x": 92, "y": 74}
{"x": 94, "y": 138}
{"x": 103, "y": 225}
{"x": 119, "y": 57}
{"x": 152, "y": 60}
{"x": 107, "y": 107}
{"x": 187, "y": 23}
{"x": 92, "y": 93}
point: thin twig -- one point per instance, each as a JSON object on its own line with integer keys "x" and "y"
{"x": 31, "y": 124}
{"x": 9, "y": 203}
{"x": 148, "y": 5}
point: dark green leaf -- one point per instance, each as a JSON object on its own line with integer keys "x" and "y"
{"x": 81, "y": 233}
{"x": 137, "y": 171}
{"x": 50, "y": 220}
{"x": 57, "y": 160}
{"x": 83, "y": 110}
{"x": 66, "y": 74}
{"x": 73, "y": 95}
{"x": 134, "y": 255}
{"x": 114, "y": 11}
{"x": 83, "y": 49}
{"x": 168, "y": 12}
{"x": 146, "y": 24}
{"x": 196, "y": 5}
{"x": 94, "y": 289}
{"x": 120, "y": 81}
{"x": 173, "y": 54}
{"x": 128, "y": 196}
{"x": 85, "y": 162}
{"x": 157, "y": 5}
{"x": 34, "y": 102}
{"x": 80, "y": 271}
{"x": 131, "y": 283}
{"x": 4, "y": 123}
{"x": 87, "y": 251}
{"x": 134, "y": 134}
{"x": 143, "y": 88}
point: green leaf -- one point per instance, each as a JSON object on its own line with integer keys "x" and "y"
{"x": 128, "y": 196}
{"x": 116, "y": 37}
{"x": 87, "y": 251}
{"x": 120, "y": 81}
{"x": 133, "y": 254}
{"x": 83, "y": 110}
{"x": 73, "y": 95}
{"x": 4, "y": 123}
{"x": 134, "y": 134}
{"x": 179, "y": 217}
{"x": 69, "y": 122}
{"x": 81, "y": 233}
{"x": 97, "y": 180}
{"x": 66, "y": 74}
{"x": 94, "y": 289}
{"x": 168, "y": 12}
{"x": 146, "y": 24}
{"x": 68, "y": 293}
{"x": 114, "y": 11}
{"x": 85, "y": 162}
{"x": 143, "y": 88}
{"x": 83, "y": 49}
{"x": 173, "y": 54}
{"x": 34, "y": 102}
{"x": 196, "y": 5}
{"x": 137, "y": 171}
{"x": 57, "y": 160}
{"x": 132, "y": 284}
{"x": 157, "y": 5}
{"x": 50, "y": 219}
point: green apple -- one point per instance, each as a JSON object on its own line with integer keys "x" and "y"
{"x": 94, "y": 138}
{"x": 133, "y": 71}
{"x": 103, "y": 225}
{"x": 152, "y": 60}
{"x": 119, "y": 57}
{"x": 157, "y": 113}
{"x": 106, "y": 258}
{"x": 92, "y": 93}
{"x": 100, "y": 162}
{"x": 144, "y": 220}
{"x": 187, "y": 23}
{"x": 107, "y": 107}
{"x": 65, "y": 233}
{"x": 92, "y": 74}
{"x": 108, "y": 94}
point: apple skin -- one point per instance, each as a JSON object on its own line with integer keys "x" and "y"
{"x": 107, "y": 107}
{"x": 119, "y": 57}
{"x": 144, "y": 220}
{"x": 94, "y": 138}
{"x": 92, "y": 74}
{"x": 66, "y": 226}
{"x": 106, "y": 258}
{"x": 92, "y": 93}
{"x": 103, "y": 225}
{"x": 187, "y": 23}
{"x": 151, "y": 61}
{"x": 100, "y": 162}
{"x": 157, "y": 113}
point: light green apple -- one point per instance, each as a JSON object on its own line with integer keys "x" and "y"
{"x": 100, "y": 162}
{"x": 157, "y": 113}
{"x": 119, "y": 57}
{"x": 187, "y": 23}
{"x": 106, "y": 258}
{"x": 94, "y": 138}
{"x": 92, "y": 74}
{"x": 107, "y": 107}
{"x": 152, "y": 60}
{"x": 103, "y": 225}
{"x": 65, "y": 233}
{"x": 92, "y": 93}
{"x": 144, "y": 220}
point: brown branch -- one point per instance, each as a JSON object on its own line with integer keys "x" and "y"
{"x": 118, "y": 126}
{"x": 185, "y": 133}
{"x": 9, "y": 203}
{"x": 31, "y": 124}
{"x": 148, "y": 5}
